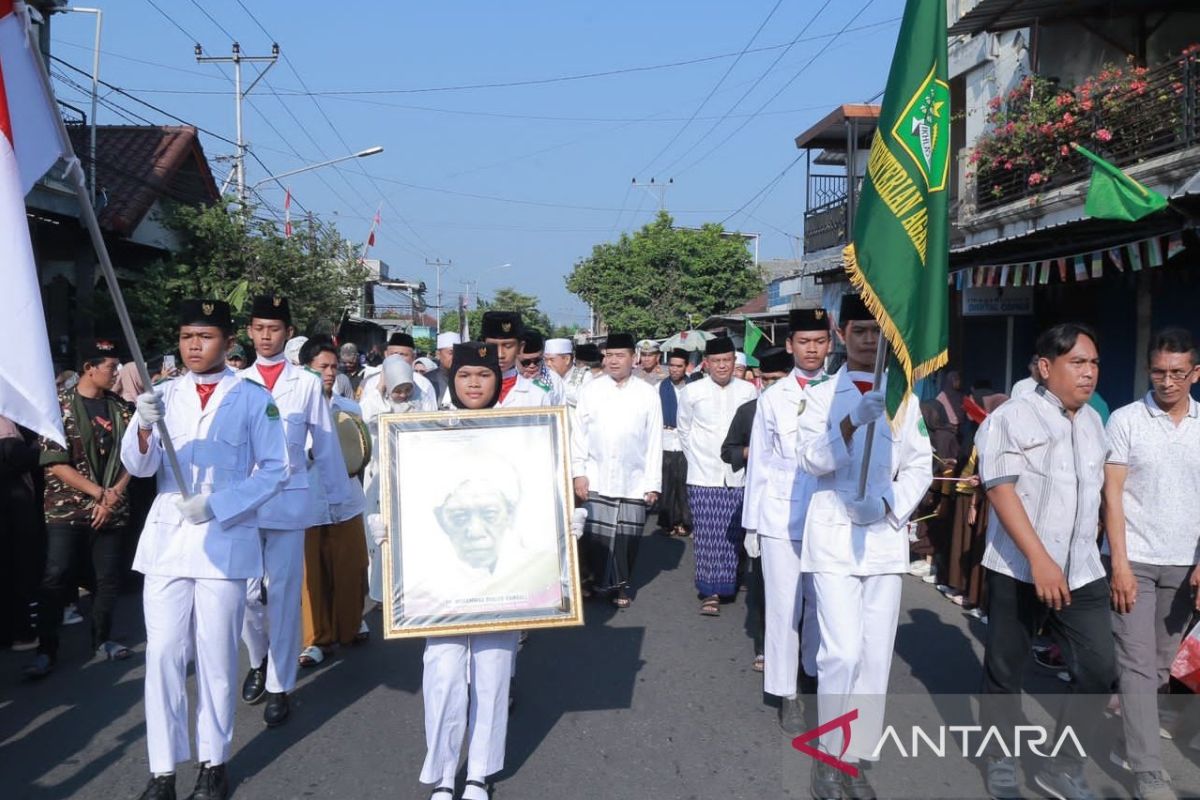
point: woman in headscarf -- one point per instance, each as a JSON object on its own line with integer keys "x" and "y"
{"x": 951, "y": 399}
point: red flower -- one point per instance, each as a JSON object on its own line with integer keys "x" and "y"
{"x": 1104, "y": 135}
{"x": 1068, "y": 118}
{"x": 1035, "y": 179}
{"x": 1063, "y": 150}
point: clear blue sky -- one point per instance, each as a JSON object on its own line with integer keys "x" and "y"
{"x": 566, "y": 150}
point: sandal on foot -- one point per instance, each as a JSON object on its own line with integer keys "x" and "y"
{"x": 487, "y": 788}
{"x": 114, "y": 651}
{"x": 311, "y": 656}
{"x": 760, "y": 663}
{"x": 621, "y": 601}
{"x": 364, "y": 633}
{"x": 711, "y": 607}
{"x": 441, "y": 790}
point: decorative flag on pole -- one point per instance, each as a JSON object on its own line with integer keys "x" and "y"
{"x": 1004, "y": 275}
{"x": 1062, "y": 269}
{"x": 1097, "y": 265}
{"x": 1156, "y": 255}
{"x": 287, "y": 214}
{"x": 1114, "y": 195}
{"x": 29, "y": 145}
{"x": 900, "y": 254}
{"x": 1044, "y": 273}
{"x": 750, "y": 342}
{"x": 1117, "y": 258}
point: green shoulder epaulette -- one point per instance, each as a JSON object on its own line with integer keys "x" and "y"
{"x": 541, "y": 384}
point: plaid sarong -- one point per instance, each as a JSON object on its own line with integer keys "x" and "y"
{"x": 610, "y": 542}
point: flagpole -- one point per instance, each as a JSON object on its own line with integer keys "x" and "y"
{"x": 880, "y": 360}
{"x": 83, "y": 196}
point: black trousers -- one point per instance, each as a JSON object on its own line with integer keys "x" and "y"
{"x": 66, "y": 563}
{"x": 1083, "y": 632}
{"x": 673, "y": 508}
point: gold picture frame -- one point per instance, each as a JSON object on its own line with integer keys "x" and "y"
{"x": 477, "y": 507}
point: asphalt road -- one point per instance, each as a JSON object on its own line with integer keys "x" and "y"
{"x": 652, "y": 702}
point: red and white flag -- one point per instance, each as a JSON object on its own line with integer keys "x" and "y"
{"x": 287, "y": 214}
{"x": 374, "y": 225}
{"x": 29, "y": 145}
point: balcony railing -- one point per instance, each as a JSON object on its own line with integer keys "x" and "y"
{"x": 1142, "y": 116}
{"x": 826, "y": 226}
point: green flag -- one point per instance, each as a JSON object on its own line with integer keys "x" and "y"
{"x": 1114, "y": 195}
{"x": 750, "y": 341}
{"x": 900, "y": 256}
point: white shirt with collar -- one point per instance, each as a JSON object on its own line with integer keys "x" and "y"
{"x": 900, "y": 472}
{"x": 1056, "y": 463}
{"x": 616, "y": 441}
{"x": 1161, "y": 498}
{"x": 300, "y": 396}
{"x": 321, "y": 510}
{"x": 705, "y": 412}
{"x": 670, "y": 437}
{"x": 777, "y": 493}
{"x": 234, "y": 449}
{"x": 525, "y": 394}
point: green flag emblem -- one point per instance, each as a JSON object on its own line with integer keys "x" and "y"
{"x": 1114, "y": 195}
{"x": 922, "y": 130}
{"x": 750, "y": 341}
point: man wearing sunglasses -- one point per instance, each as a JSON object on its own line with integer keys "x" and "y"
{"x": 532, "y": 364}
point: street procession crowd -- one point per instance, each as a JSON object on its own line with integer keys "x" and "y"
{"x": 1069, "y": 535}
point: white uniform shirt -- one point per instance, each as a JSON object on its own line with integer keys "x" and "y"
{"x": 234, "y": 449}
{"x": 1057, "y": 465}
{"x": 300, "y": 396}
{"x": 616, "y": 442}
{"x": 901, "y": 471}
{"x": 1162, "y": 487}
{"x": 1023, "y": 386}
{"x": 705, "y": 412}
{"x": 777, "y": 492}
{"x": 320, "y": 510}
{"x": 526, "y": 394}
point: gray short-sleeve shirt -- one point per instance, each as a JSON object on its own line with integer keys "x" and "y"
{"x": 1056, "y": 462}
{"x": 1162, "y": 488}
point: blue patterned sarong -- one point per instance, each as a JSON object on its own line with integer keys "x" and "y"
{"x": 717, "y": 533}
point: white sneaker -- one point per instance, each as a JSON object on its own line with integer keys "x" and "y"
{"x": 71, "y": 615}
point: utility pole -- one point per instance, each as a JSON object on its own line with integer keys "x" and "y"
{"x": 439, "y": 265}
{"x": 236, "y": 59}
{"x": 659, "y": 190}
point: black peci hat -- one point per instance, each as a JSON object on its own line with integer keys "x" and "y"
{"x": 401, "y": 339}
{"x": 98, "y": 349}
{"x": 678, "y": 352}
{"x": 620, "y": 341}
{"x": 718, "y": 346}
{"x": 501, "y": 325}
{"x": 271, "y": 306}
{"x": 532, "y": 341}
{"x": 212, "y": 313}
{"x": 853, "y": 310}
{"x": 587, "y": 353}
{"x": 808, "y": 319}
{"x": 775, "y": 359}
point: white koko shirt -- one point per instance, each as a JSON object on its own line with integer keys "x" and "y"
{"x": 616, "y": 441}
{"x": 705, "y": 412}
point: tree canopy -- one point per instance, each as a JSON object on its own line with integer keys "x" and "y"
{"x": 652, "y": 282}
{"x": 233, "y": 256}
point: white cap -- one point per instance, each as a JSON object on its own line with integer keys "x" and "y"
{"x": 291, "y": 350}
{"x": 559, "y": 347}
{"x": 448, "y": 339}
{"x": 739, "y": 358}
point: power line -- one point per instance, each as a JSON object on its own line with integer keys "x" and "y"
{"x": 713, "y": 90}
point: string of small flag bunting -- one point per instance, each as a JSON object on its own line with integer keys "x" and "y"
{"x": 1083, "y": 265}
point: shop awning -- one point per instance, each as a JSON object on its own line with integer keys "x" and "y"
{"x": 1007, "y": 15}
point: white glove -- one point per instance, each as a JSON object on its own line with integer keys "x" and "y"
{"x": 578, "y": 518}
{"x": 195, "y": 509}
{"x": 376, "y": 528}
{"x": 867, "y": 510}
{"x": 150, "y": 409}
{"x": 869, "y": 409}
{"x": 752, "y": 545}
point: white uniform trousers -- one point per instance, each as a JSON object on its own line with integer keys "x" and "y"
{"x": 479, "y": 665}
{"x": 186, "y": 616}
{"x": 275, "y": 628}
{"x": 792, "y": 633}
{"x": 857, "y": 616}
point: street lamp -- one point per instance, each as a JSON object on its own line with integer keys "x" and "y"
{"x": 370, "y": 151}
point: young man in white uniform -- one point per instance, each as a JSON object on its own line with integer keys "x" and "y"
{"x": 271, "y": 629}
{"x": 504, "y": 329}
{"x": 198, "y": 552}
{"x": 857, "y": 549}
{"x": 773, "y": 509}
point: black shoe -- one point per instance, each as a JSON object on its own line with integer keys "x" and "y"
{"x": 276, "y": 711}
{"x": 41, "y": 666}
{"x": 857, "y": 787}
{"x": 211, "y": 783}
{"x": 1000, "y": 778}
{"x": 255, "y": 685}
{"x": 791, "y": 715}
{"x": 160, "y": 787}
{"x": 826, "y": 783}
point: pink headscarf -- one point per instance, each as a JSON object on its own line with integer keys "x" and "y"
{"x": 129, "y": 383}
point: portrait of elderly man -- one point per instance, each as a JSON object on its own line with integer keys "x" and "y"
{"x": 484, "y": 542}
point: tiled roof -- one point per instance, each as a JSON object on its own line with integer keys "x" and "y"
{"x": 139, "y": 164}
{"x": 756, "y": 305}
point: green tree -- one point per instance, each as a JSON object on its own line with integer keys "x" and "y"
{"x": 650, "y": 283}
{"x": 234, "y": 257}
{"x": 506, "y": 299}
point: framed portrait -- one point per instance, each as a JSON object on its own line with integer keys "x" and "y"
{"x": 477, "y": 506}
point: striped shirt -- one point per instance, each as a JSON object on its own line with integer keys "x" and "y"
{"x": 1057, "y": 465}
